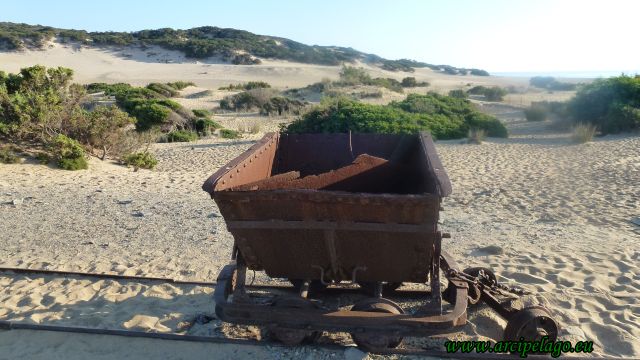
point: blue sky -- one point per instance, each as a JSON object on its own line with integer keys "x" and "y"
{"x": 497, "y": 35}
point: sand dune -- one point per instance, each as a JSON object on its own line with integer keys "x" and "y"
{"x": 558, "y": 216}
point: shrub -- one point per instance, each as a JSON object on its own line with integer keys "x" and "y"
{"x": 73, "y": 164}
{"x": 536, "y": 113}
{"x": 612, "y": 105}
{"x": 102, "y": 128}
{"x": 43, "y": 158}
{"x": 247, "y": 86}
{"x": 182, "y": 136}
{"x": 369, "y": 94}
{"x": 550, "y": 83}
{"x": 478, "y": 72}
{"x": 444, "y": 117}
{"x": 68, "y": 153}
{"x": 280, "y": 105}
{"x": 476, "y": 136}
{"x": 163, "y": 89}
{"x": 150, "y": 114}
{"x": 477, "y": 90}
{"x": 459, "y": 94}
{"x": 409, "y": 82}
{"x": 494, "y": 93}
{"x": 230, "y": 134}
{"x": 350, "y": 76}
{"x": 247, "y": 100}
{"x": 201, "y": 113}
{"x": 252, "y": 127}
{"x": 141, "y": 160}
{"x": 206, "y": 126}
{"x": 583, "y": 133}
{"x": 7, "y": 156}
{"x": 179, "y": 85}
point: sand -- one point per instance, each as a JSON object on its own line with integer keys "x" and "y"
{"x": 559, "y": 215}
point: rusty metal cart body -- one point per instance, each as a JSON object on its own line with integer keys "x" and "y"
{"x": 377, "y": 227}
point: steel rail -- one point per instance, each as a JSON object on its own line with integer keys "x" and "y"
{"x": 11, "y": 325}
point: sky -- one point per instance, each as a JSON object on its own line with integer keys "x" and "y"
{"x": 495, "y": 35}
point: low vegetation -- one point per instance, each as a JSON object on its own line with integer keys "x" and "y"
{"x": 230, "y": 134}
{"x": 494, "y": 93}
{"x": 140, "y": 160}
{"x": 611, "y": 105}
{"x": 536, "y": 113}
{"x": 459, "y": 94}
{"x": 443, "y": 116}
{"x": 8, "y": 156}
{"x": 247, "y": 86}
{"x": 181, "y": 136}
{"x": 476, "y": 136}
{"x": 267, "y": 101}
{"x": 410, "y": 82}
{"x": 68, "y": 153}
{"x": 350, "y": 76}
{"x": 583, "y": 133}
{"x": 550, "y": 83}
{"x": 45, "y": 114}
{"x": 149, "y": 105}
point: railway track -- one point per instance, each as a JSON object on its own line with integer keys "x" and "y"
{"x": 15, "y": 325}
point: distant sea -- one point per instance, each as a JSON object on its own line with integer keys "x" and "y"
{"x": 568, "y": 74}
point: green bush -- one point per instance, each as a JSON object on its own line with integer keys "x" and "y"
{"x": 550, "y": 83}
{"x": 179, "y": 85}
{"x": 536, "y": 113}
{"x": 459, "y": 94}
{"x": 612, "y": 105}
{"x": 409, "y": 82}
{"x": 444, "y": 117}
{"x": 201, "y": 113}
{"x": 149, "y": 105}
{"x": 412, "y": 82}
{"x": 247, "y": 86}
{"x": 150, "y": 114}
{"x": 478, "y": 72}
{"x": 350, "y": 76}
{"x": 163, "y": 89}
{"x": 73, "y": 164}
{"x": 182, "y": 136}
{"x": 230, "y": 134}
{"x": 206, "y": 126}
{"x": 494, "y": 93}
{"x": 7, "y": 156}
{"x": 68, "y": 153}
{"x": 477, "y": 90}
{"x": 141, "y": 160}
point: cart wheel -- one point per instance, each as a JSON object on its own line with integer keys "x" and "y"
{"x": 375, "y": 341}
{"x": 369, "y": 287}
{"x": 290, "y": 336}
{"x": 532, "y": 324}
{"x": 315, "y": 286}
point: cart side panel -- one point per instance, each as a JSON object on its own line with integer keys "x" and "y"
{"x": 252, "y": 165}
{"x": 297, "y": 205}
{"x": 370, "y": 256}
{"x": 387, "y": 237}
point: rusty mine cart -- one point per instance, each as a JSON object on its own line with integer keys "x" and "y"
{"x": 339, "y": 209}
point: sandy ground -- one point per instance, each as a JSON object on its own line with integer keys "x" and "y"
{"x": 559, "y": 215}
